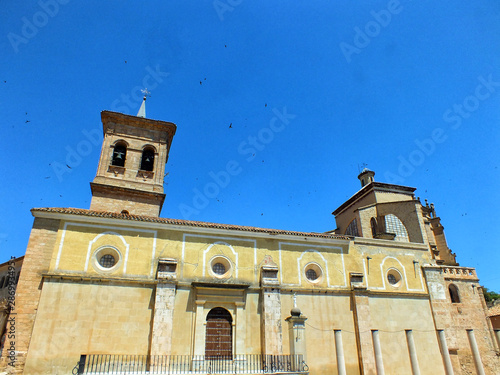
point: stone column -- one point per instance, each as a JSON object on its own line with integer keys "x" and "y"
{"x": 378, "y": 353}
{"x": 297, "y": 333}
{"x": 497, "y": 334}
{"x": 413, "y": 353}
{"x": 241, "y": 329}
{"x": 475, "y": 352}
{"x": 272, "y": 340}
{"x": 199, "y": 336}
{"x": 200, "y": 329}
{"x": 339, "y": 350}
{"x": 445, "y": 353}
{"x": 240, "y": 335}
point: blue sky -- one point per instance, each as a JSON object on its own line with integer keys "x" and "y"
{"x": 411, "y": 88}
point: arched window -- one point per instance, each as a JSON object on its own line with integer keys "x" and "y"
{"x": 352, "y": 228}
{"x": 454, "y": 294}
{"x": 396, "y": 226}
{"x": 219, "y": 334}
{"x": 119, "y": 155}
{"x": 148, "y": 159}
{"x": 373, "y": 224}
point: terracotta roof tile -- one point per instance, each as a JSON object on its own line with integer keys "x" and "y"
{"x": 201, "y": 224}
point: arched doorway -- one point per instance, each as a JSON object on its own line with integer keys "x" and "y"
{"x": 219, "y": 335}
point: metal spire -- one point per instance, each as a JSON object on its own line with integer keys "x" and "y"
{"x": 142, "y": 110}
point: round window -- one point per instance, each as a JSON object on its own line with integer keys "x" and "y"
{"x": 313, "y": 272}
{"x": 220, "y": 267}
{"x": 106, "y": 259}
{"x": 394, "y": 277}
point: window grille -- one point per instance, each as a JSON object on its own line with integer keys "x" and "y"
{"x": 107, "y": 261}
{"x": 219, "y": 269}
{"x": 311, "y": 274}
{"x": 392, "y": 279}
{"x": 352, "y": 229}
{"x": 396, "y": 226}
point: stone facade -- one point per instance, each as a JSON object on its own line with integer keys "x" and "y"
{"x": 126, "y": 186}
{"x": 460, "y": 316}
{"x": 119, "y": 280}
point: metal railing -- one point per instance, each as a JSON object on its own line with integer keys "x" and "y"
{"x": 97, "y": 364}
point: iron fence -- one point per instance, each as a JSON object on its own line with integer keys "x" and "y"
{"x": 100, "y": 364}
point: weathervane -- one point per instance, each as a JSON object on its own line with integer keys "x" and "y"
{"x": 363, "y": 166}
{"x": 146, "y": 93}
{"x": 142, "y": 110}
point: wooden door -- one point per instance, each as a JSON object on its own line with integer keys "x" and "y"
{"x": 219, "y": 335}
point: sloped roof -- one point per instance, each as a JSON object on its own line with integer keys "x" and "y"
{"x": 494, "y": 311}
{"x": 190, "y": 223}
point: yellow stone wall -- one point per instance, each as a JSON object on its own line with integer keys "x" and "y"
{"x": 325, "y": 313}
{"x": 392, "y": 316}
{"x": 82, "y": 318}
{"x": 92, "y": 311}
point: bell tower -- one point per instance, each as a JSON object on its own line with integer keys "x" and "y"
{"x": 131, "y": 168}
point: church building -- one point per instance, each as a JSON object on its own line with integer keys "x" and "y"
{"x": 118, "y": 289}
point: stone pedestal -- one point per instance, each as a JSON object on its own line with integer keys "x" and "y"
{"x": 297, "y": 335}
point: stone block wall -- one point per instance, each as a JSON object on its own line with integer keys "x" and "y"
{"x": 458, "y": 318}
{"x": 36, "y": 262}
